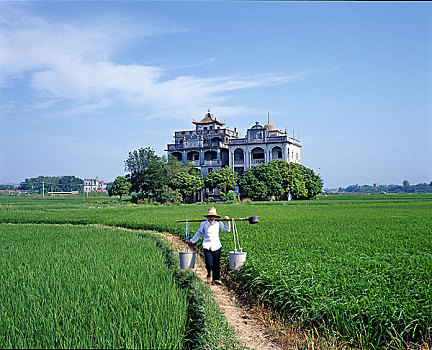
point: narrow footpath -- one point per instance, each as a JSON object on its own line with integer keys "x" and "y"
{"x": 248, "y": 329}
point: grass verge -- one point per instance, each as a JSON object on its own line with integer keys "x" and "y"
{"x": 207, "y": 326}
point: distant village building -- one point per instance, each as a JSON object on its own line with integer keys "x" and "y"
{"x": 211, "y": 146}
{"x": 94, "y": 185}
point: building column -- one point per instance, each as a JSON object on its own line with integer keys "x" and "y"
{"x": 201, "y": 157}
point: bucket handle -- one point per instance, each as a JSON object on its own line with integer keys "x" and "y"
{"x": 187, "y": 235}
{"x": 236, "y": 236}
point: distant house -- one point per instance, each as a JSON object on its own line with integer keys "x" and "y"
{"x": 10, "y": 192}
{"x": 94, "y": 185}
{"x": 211, "y": 146}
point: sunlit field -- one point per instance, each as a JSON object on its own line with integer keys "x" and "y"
{"x": 355, "y": 267}
{"x": 86, "y": 287}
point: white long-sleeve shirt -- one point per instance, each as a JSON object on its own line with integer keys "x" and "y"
{"x": 211, "y": 234}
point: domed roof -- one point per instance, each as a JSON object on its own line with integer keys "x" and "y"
{"x": 270, "y": 127}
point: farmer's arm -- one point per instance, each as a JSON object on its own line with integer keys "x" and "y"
{"x": 227, "y": 226}
{"x": 198, "y": 234}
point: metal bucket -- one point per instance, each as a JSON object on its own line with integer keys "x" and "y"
{"x": 187, "y": 260}
{"x": 253, "y": 219}
{"x": 236, "y": 259}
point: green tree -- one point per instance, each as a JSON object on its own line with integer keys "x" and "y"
{"x": 279, "y": 179}
{"x": 151, "y": 174}
{"x": 147, "y": 171}
{"x": 251, "y": 187}
{"x": 120, "y": 187}
{"x": 173, "y": 166}
{"x": 223, "y": 179}
{"x": 8, "y": 187}
{"x": 167, "y": 195}
{"x": 71, "y": 183}
{"x": 186, "y": 183}
{"x": 313, "y": 182}
{"x": 52, "y": 183}
{"x": 270, "y": 175}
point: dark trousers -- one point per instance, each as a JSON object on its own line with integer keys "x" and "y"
{"x": 212, "y": 262}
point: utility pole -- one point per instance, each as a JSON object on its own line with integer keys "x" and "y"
{"x": 43, "y": 189}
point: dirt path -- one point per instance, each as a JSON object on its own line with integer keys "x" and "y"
{"x": 249, "y": 330}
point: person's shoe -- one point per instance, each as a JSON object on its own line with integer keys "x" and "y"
{"x": 216, "y": 283}
{"x": 209, "y": 280}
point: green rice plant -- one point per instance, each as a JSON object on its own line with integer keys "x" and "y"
{"x": 356, "y": 266}
{"x": 86, "y": 287}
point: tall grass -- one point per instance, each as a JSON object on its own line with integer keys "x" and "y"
{"x": 86, "y": 287}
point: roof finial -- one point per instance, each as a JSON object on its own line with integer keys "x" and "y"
{"x": 268, "y": 117}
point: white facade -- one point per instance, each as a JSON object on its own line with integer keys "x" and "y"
{"x": 262, "y": 144}
{"x": 94, "y": 185}
{"x": 211, "y": 146}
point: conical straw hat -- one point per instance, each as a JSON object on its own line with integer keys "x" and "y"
{"x": 212, "y": 212}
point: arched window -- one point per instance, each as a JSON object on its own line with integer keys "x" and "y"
{"x": 257, "y": 155}
{"x": 215, "y": 141}
{"x": 193, "y": 156}
{"x": 277, "y": 153}
{"x": 238, "y": 156}
{"x": 210, "y": 155}
{"x": 178, "y": 155}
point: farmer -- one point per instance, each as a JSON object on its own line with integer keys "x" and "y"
{"x": 211, "y": 243}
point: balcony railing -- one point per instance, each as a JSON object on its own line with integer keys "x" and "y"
{"x": 219, "y": 144}
{"x": 237, "y": 141}
{"x": 173, "y": 147}
{"x": 194, "y": 162}
{"x": 212, "y": 162}
{"x": 192, "y": 144}
{"x": 257, "y": 161}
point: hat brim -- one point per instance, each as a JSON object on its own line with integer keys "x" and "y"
{"x": 207, "y": 215}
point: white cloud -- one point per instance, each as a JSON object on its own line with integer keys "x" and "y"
{"x": 72, "y": 61}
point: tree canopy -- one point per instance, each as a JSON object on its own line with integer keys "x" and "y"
{"x": 280, "y": 179}
{"x": 162, "y": 179}
{"x": 223, "y": 179}
{"x": 120, "y": 187}
{"x": 52, "y": 183}
{"x": 376, "y": 188}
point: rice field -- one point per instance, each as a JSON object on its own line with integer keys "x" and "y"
{"x": 86, "y": 287}
{"x": 355, "y": 267}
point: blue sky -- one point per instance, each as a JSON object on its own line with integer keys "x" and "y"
{"x": 84, "y": 83}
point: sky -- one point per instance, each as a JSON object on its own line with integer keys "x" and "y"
{"x": 82, "y": 84}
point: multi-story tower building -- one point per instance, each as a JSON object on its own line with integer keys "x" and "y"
{"x": 211, "y": 146}
{"x": 206, "y": 147}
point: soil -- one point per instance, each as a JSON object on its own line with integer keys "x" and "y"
{"x": 248, "y": 328}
